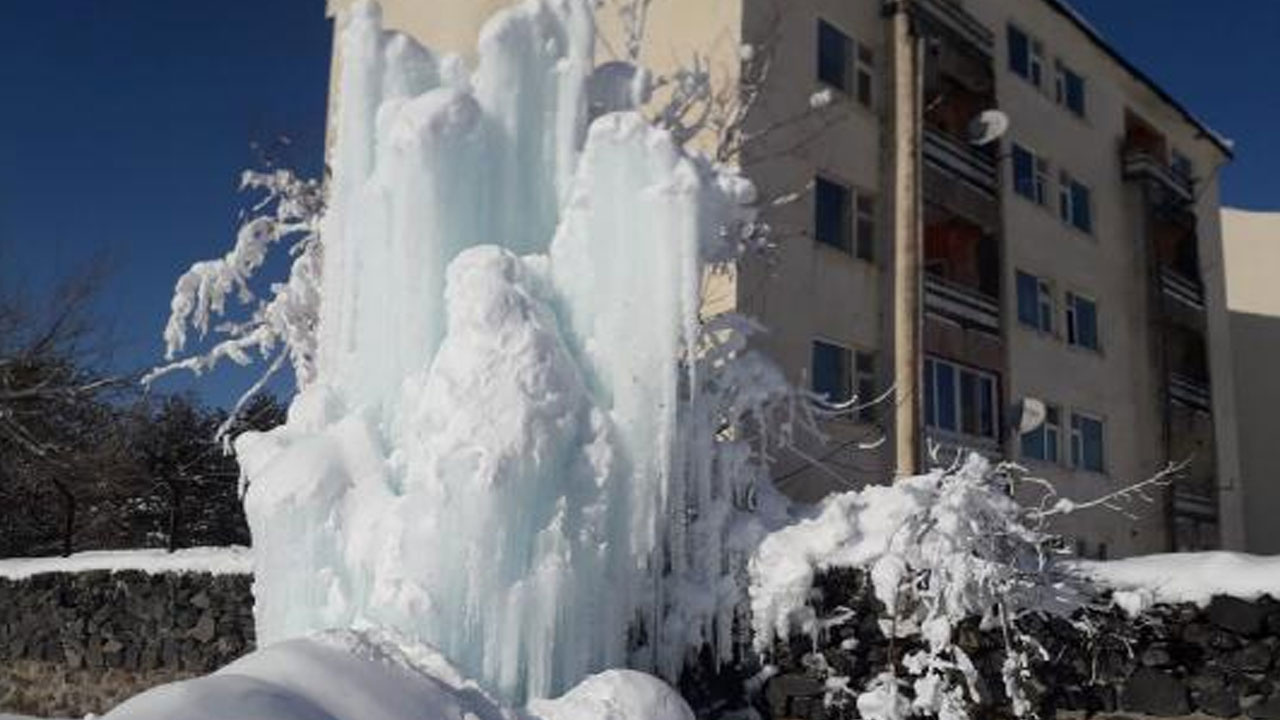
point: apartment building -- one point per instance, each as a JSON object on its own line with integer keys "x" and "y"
{"x": 1251, "y": 243}
{"x": 1064, "y": 278}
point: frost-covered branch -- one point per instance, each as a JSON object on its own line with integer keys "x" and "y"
{"x": 280, "y": 327}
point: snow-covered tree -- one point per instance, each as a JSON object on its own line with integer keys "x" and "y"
{"x": 277, "y": 329}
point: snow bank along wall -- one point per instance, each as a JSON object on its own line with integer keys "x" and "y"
{"x": 1220, "y": 660}
{"x": 75, "y": 643}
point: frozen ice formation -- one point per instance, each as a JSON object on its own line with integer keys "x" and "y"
{"x": 523, "y": 445}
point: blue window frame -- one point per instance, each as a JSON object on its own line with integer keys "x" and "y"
{"x": 959, "y": 399}
{"x": 1082, "y": 322}
{"x": 1042, "y": 443}
{"x": 832, "y": 208}
{"x": 1035, "y": 302}
{"x": 1029, "y": 175}
{"x": 1076, "y": 203}
{"x": 1026, "y": 56}
{"x": 834, "y": 53}
{"x": 1071, "y": 90}
{"x": 831, "y": 372}
{"x": 1087, "y": 451}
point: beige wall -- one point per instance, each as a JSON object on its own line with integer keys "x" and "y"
{"x": 1252, "y": 261}
{"x": 1120, "y": 384}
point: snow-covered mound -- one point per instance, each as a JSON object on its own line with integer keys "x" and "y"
{"x": 218, "y": 561}
{"x": 616, "y": 695}
{"x": 1185, "y": 578}
{"x": 513, "y": 448}
{"x": 354, "y": 676}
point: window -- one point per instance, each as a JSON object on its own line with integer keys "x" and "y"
{"x": 866, "y": 226}
{"x": 834, "y": 51}
{"x": 1075, "y": 203}
{"x": 865, "y": 73}
{"x": 1042, "y": 443}
{"x": 865, "y": 385}
{"x": 959, "y": 399}
{"x": 1087, "y": 443}
{"x": 1082, "y": 322}
{"x": 1030, "y": 175}
{"x": 831, "y": 377}
{"x": 1035, "y": 302}
{"x": 1070, "y": 89}
{"x": 845, "y": 64}
{"x": 1026, "y": 56}
{"x": 833, "y": 203}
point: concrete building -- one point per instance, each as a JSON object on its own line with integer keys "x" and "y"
{"x": 1073, "y": 264}
{"x": 1251, "y": 242}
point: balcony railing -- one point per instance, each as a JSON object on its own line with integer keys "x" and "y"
{"x": 952, "y": 14}
{"x": 1140, "y": 164}
{"x": 1191, "y": 392}
{"x": 1180, "y": 288}
{"x": 961, "y": 160}
{"x": 962, "y": 304}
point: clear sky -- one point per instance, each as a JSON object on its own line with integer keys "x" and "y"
{"x": 124, "y": 125}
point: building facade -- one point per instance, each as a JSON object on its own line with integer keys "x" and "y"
{"x": 1070, "y": 268}
{"x": 1251, "y": 243}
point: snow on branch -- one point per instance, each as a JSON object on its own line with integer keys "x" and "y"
{"x": 280, "y": 327}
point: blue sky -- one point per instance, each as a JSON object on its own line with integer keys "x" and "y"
{"x": 124, "y": 126}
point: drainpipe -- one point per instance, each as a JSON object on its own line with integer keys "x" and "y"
{"x": 906, "y": 57}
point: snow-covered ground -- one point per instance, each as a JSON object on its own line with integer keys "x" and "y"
{"x": 373, "y": 676}
{"x": 219, "y": 561}
{"x": 1186, "y": 578}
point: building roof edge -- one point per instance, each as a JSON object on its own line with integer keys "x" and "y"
{"x": 1063, "y": 8}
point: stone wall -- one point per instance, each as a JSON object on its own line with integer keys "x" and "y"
{"x": 1222, "y": 660}
{"x": 72, "y": 644}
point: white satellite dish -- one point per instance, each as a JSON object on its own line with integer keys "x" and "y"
{"x": 987, "y": 127}
{"x": 1029, "y": 415}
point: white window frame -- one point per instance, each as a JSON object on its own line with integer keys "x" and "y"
{"x": 1040, "y": 174}
{"x": 864, "y": 65}
{"x": 958, "y": 398}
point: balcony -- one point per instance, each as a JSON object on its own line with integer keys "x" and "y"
{"x": 1190, "y": 392}
{"x": 957, "y": 158}
{"x": 1143, "y": 165}
{"x": 952, "y": 15}
{"x": 962, "y": 304}
{"x": 1178, "y": 287}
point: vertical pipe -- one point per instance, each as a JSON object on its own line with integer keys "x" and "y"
{"x": 905, "y": 119}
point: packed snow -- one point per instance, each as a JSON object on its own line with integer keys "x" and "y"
{"x": 514, "y": 447}
{"x": 1141, "y": 582}
{"x": 374, "y": 676}
{"x": 218, "y": 561}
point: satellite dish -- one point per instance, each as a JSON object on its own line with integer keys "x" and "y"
{"x": 1029, "y": 415}
{"x": 986, "y": 128}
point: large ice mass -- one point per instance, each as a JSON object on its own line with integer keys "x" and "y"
{"x": 522, "y": 444}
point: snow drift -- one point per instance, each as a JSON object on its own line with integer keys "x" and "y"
{"x": 513, "y": 447}
{"x": 374, "y": 676}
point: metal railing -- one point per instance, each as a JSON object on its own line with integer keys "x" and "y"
{"x": 1190, "y": 391}
{"x": 965, "y": 305}
{"x": 961, "y": 160}
{"x": 1141, "y": 164}
{"x": 1181, "y": 288}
